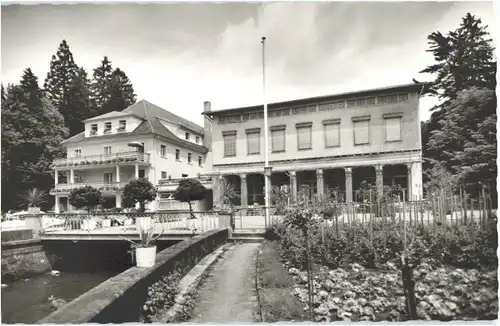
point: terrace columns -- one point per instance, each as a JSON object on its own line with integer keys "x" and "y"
{"x": 117, "y": 174}
{"x": 57, "y": 209}
{"x": 293, "y": 185}
{"x": 416, "y": 180}
{"x": 56, "y": 177}
{"x": 348, "y": 185}
{"x": 379, "y": 180}
{"x": 410, "y": 183}
{"x": 137, "y": 171}
{"x": 71, "y": 176}
{"x": 319, "y": 183}
{"x": 118, "y": 200}
{"x": 216, "y": 189}
{"x": 244, "y": 190}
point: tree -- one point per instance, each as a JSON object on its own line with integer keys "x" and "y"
{"x": 86, "y": 197}
{"x": 65, "y": 86}
{"x": 138, "y": 191}
{"x": 227, "y": 193}
{"x": 32, "y": 131}
{"x": 190, "y": 190}
{"x": 101, "y": 79}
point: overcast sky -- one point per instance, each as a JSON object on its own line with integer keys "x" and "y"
{"x": 179, "y": 55}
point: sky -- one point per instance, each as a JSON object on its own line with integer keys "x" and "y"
{"x": 180, "y": 55}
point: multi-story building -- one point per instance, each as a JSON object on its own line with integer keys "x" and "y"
{"x": 142, "y": 141}
{"x": 320, "y": 143}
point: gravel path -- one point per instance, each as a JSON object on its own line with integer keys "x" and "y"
{"x": 228, "y": 294}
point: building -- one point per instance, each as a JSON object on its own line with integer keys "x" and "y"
{"x": 320, "y": 143}
{"x": 143, "y": 140}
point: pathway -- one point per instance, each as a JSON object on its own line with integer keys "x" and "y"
{"x": 228, "y": 294}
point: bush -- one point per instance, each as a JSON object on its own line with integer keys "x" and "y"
{"x": 161, "y": 295}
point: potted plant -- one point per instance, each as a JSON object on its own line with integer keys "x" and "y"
{"x": 145, "y": 249}
{"x": 33, "y": 199}
{"x": 143, "y": 222}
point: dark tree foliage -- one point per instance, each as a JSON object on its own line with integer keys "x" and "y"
{"x": 138, "y": 191}
{"x": 464, "y": 71}
{"x": 111, "y": 89}
{"x": 32, "y": 130}
{"x": 66, "y": 87}
{"x": 190, "y": 190}
{"x": 86, "y": 197}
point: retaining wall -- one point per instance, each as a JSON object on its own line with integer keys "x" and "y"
{"x": 120, "y": 298}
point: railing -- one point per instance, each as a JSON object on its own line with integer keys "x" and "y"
{"x": 102, "y": 186}
{"x": 118, "y": 223}
{"x": 204, "y": 178}
{"x": 96, "y": 160}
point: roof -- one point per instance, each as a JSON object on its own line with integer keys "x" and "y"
{"x": 305, "y": 101}
{"x": 151, "y": 124}
{"x": 145, "y": 109}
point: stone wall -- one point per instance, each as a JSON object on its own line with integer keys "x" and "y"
{"x": 22, "y": 256}
{"x": 119, "y": 299}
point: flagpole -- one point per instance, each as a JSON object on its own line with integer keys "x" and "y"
{"x": 267, "y": 172}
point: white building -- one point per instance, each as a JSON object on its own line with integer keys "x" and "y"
{"x": 143, "y": 140}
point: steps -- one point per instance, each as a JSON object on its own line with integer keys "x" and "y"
{"x": 247, "y": 236}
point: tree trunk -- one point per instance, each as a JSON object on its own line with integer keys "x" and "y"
{"x": 141, "y": 207}
{"x": 191, "y": 210}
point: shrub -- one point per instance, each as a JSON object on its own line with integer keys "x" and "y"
{"x": 190, "y": 190}
{"x": 138, "y": 191}
{"x": 161, "y": 295}
{"x": 85, "y": 197}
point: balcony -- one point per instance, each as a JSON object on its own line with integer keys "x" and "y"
{"x": 105, "y": 187}
{"x": 172, "y": 184}
{"x": 92, "y": 161}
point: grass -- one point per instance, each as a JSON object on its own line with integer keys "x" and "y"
{"x": 275, "y": 292}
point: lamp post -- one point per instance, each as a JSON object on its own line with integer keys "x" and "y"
{"x": 267, "y": 169}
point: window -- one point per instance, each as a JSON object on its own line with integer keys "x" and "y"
{"x": 278, "y": 138}
{"x": 229, "y": 143}
{"x": 122, "y": 125}
{"x": 200, "y": 161}
{"x": 107, "y": 150}
{"x": 370, "y": 101}
{"x": 142, "y": 173}
{"x": 187, "y": 135}
{"x": 184, "y": 175}
{"x": 93, "y": 129}
{"x": 332, "y": 133}
{"x": 392, "y": 98}
{"x": 393, "y": 127}
{"x": 107, "y": 127}
{"x": 197, "y": 139}
{"x": 177, "y": 154}
{"x": 403, "y": 97}
{"x": 351, "y": 103}
{"x": 163, "y": 151}
{"x": 78, "y": 153}
{"x": 304, "y": 139}
{"x": 163, "y": 174}
{"x": 108, "y": 177}
{"x": 361, "y": 130}
{"x": 253, "y": 141}
{"x": 189, "y": 158}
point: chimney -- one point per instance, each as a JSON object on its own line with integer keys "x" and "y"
{"x": 207, "y": 127}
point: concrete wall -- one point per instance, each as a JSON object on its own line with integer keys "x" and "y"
{"x": 22, "y": 256}
{"x": 119, "y": 299}
{"x": 410, "y": 133}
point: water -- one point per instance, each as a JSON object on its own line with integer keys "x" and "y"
{"x": 26, "y": 301}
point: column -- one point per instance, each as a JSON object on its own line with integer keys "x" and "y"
{"x": 409, "y": 181}
{"x": 216, "y": 191}
{"x": 57, "y": 209}
{"x": 117, "y": 174}
{"x": 118, "y": 200}
{"x": 137, "y": 171}
{"x": 348, "y": 185}
{"x": 56, "y": 177}
{"x": 72, "y": 176}
{"x": 416, "y": 180}
{"x": 379, "y": 180}
{"x": 319, "y": 183}
{"x": 244, "y": 190}
{"x": 293, "y": 185}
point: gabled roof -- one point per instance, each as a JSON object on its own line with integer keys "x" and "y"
{"x": 145, "y": 109}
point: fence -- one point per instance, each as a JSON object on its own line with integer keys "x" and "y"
{"x": 171, "y": 221}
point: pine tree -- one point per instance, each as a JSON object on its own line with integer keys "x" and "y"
{"x": 101, "y": 80}
{"x": 121, "y": 90}
{"x": 80, "y": 101}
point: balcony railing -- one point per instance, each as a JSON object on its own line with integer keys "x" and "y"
{"x": 102, "y": 186}
{"x": 105, "y": 159}
{"x": 204, "y": 178}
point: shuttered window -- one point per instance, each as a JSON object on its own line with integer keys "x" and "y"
{"x": 361, "y": 132}
{"x": 253, "y": 142}
{"x": 304, "y": 137}
{"x": 278, "y": 140}
{"x": 332, "y": 135}
{"x": 393, "y": 129}
{"x": 230, "y": 145}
